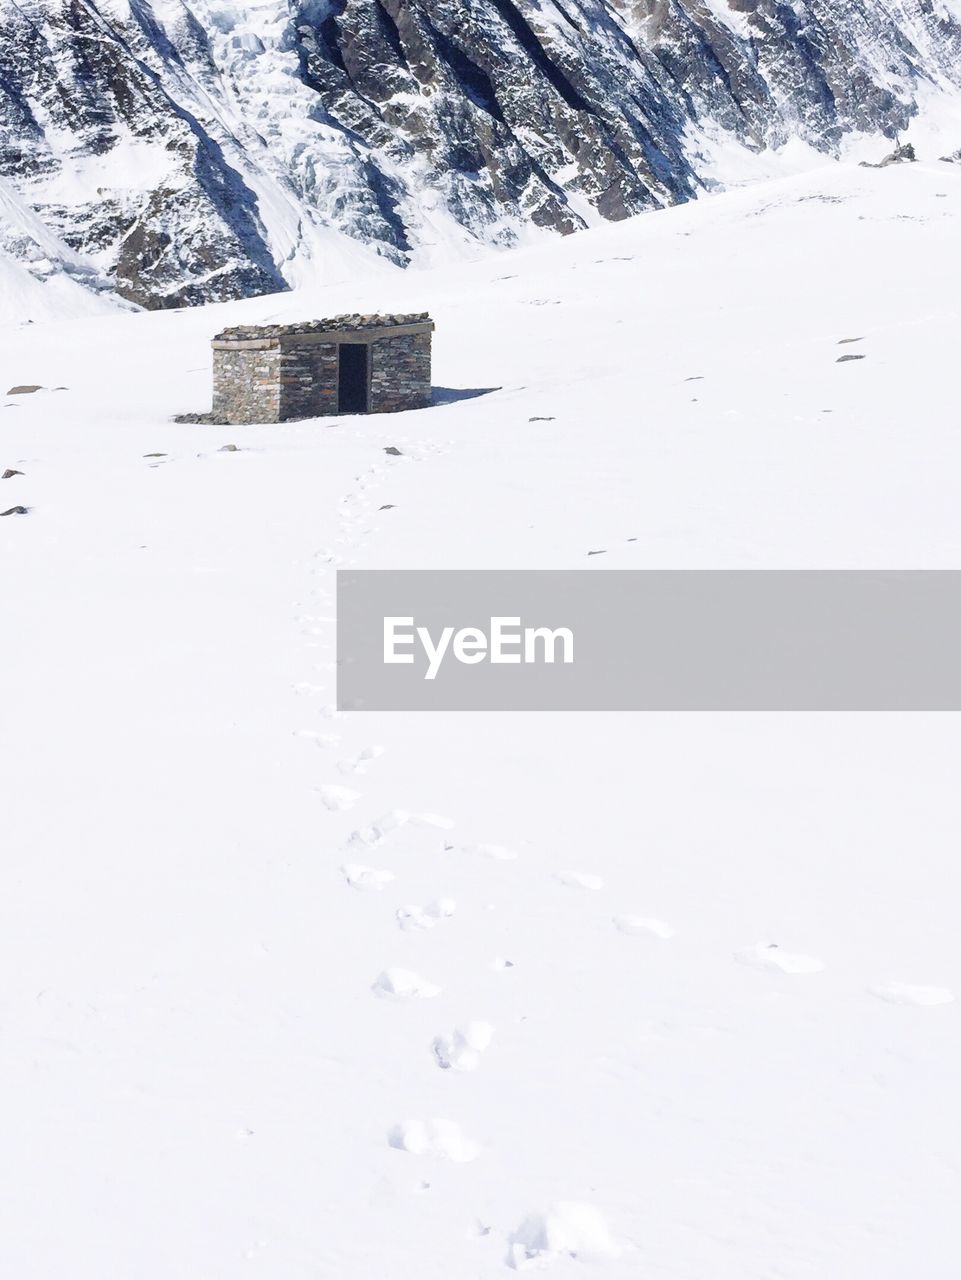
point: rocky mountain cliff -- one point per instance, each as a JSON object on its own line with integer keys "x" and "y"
{"x": 198, "y": 150}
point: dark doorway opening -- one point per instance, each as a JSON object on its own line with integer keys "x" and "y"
{"x": 352, "y": 378}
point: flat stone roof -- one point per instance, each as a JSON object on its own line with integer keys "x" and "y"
{"x": 361, "y": 325}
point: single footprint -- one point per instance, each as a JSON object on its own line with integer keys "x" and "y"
{"x": 566, "y": 1229}
{"x": 359, "y": 762}
{"x": 579, "y": 880}
{"x": 365, "y": 878}
{"x": 497, "y": 852}
{"x": 433, "y": 1138}
{"x": 338, "y": 798}
{"x": 905, "y": 993}
{"x": 404, "y": 984}
{"x": 768, "y": 955}
{"x": 643, "y": 926}
{"x": 378, "y": 831}
{"x": 415, "y": 918}
{"x": 462, "y": 1049}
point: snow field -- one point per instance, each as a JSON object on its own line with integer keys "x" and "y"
{"x": 289, "y": 992}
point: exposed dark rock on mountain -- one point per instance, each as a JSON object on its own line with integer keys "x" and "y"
{"x": 198, "y": 150}
{"x": 902, "y": 154}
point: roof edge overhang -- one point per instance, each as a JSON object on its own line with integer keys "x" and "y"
{"x": 320, "y": 337}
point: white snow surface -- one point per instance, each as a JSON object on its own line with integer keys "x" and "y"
{"x": 200, "y": 1080}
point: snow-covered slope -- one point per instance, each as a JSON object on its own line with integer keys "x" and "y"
{"x": 200, "y": 150}
{"x": 204, "y": 1072}
{"x": 40, "y": 276}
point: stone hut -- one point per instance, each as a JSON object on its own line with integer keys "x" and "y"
{"x": 347, "y": 364}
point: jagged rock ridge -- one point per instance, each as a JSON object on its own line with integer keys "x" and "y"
{"x": 198, "y": 150}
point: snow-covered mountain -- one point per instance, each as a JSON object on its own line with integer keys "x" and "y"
{"x": 34, "y": 260}
{"x": 201, "y": 150}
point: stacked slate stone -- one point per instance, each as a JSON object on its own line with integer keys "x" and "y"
{"x": 400, "y": 373}
{"x": 308, "y": 380}
{"x": 333, "y": 324}
{"x": 247, "y": 383}
{"x": 282, "y": 372}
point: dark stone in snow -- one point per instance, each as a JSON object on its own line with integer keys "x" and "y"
{"x": 15, "y": 511}
{"x": 394, "y": 453}
{"x": 845, "y": 359}
{"x": 23, "y": 391}
{"x": 10, "y": 473}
